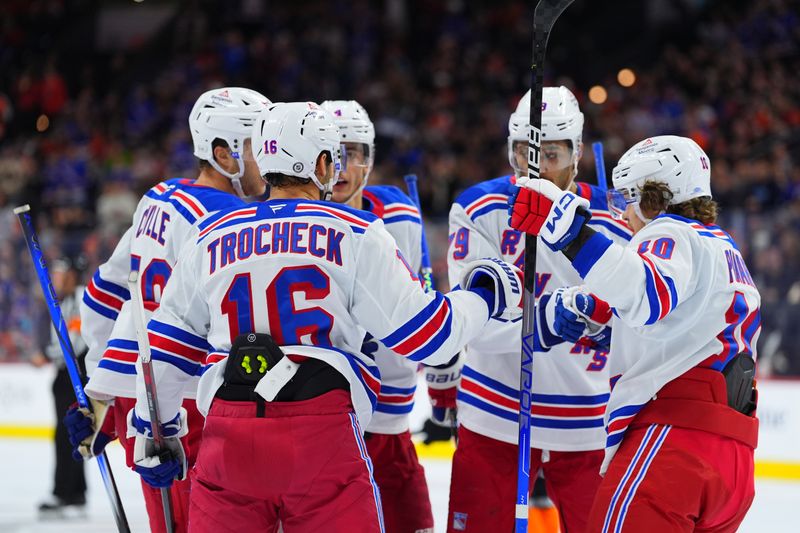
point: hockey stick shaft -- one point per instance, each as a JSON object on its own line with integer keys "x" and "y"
{"x": 544, "y": 17}
{"x": 425, "y": 269}
{"x": 140, "y": 323}
{"x": 75, "y": 376}
{"x": 600, "y": 165}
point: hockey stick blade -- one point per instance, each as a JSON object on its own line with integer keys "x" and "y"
{"x": 544, "y": 18}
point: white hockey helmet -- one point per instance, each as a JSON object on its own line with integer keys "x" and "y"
{"x": 227, "y": 113}
{"x": 677, "y": 161}
{"x": 562, "y": 120}
{"x": 354, "y": 127}
{"x": 289, "y": 137}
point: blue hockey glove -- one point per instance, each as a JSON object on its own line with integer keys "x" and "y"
{"x": 159, "y": 469}
{"x": 579, "y": 314}
{"x": 498, "y": 283}
{"x": 89, "y": 439}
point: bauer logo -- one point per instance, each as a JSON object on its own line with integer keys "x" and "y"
{"x": 460, "y": 521}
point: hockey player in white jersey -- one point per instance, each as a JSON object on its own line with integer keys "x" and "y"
{"x": 400, "y": 477}
{"x": 165, "y": 219}
{"x": 271, "y": 304}
{"x": 570, "y": 381}
{"x": 681, "y": 417}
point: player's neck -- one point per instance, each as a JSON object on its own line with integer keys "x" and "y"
{"x": 211, "y": 178}
{"x": 306, "y": 191}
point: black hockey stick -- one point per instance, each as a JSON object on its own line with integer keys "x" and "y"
{"x": 23, "y": 214}
{"x": 544, "y": 17}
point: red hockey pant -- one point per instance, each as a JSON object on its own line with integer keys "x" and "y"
{"x": 483, "y": 487}
{"x": 303, "y": 464}
{"x": 180, "y": 489}
{"x": 401, "y": 479}
{"x": 665, "y": 479}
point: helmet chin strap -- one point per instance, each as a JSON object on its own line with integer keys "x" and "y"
{"x": 357, "y": 189}
{"x": 236, "y": 178}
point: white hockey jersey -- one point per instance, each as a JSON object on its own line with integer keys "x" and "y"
{"x": 164, "y": 221}
{"x": 398, "y": 374}
{"x": 315, "y": 276}
{"x": 682, "y": 297}
{"x": 570, "y": 381}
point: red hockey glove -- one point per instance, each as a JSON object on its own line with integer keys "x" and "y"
{"x": 529, "y": 211}
{"x": 442, "y": 384}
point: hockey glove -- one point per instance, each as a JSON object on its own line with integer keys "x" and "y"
{"x": 159, "y": 469}
{"x": 579, "y": 314}
{"x": 498, "y": 283}
{"x": 89, "y": 431}
{"x": 443, "y": 383}
{"x": 556, "y": 215}
{"x": 529, "y": 208}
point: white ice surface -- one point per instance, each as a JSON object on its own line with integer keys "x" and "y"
{"x": 26, "y": 478}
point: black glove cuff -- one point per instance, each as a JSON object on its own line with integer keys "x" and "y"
{"x": 572, "y": 249}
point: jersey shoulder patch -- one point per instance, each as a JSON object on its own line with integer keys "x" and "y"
{"x": 391, "y": 204}
{"x": 485, "y": 197}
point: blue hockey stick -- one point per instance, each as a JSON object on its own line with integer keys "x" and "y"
{"x": 23, "y": 214}
{"x": 600, "y": 165}
{"x": 544, "y": 18}
{"x": 425, "y": 268}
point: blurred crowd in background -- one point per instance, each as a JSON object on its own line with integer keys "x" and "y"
{"x": 95, "y": 96}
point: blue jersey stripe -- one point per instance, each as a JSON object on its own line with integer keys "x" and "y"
{"x": 488, "y": 208}
{"x": 178, "y": 334}
{"x": 490, "y": 383}
{"x": 436, "y": 342}
{"x": 626, "y": 410}
{"x": 402, "y": 218}
{"x": 99, "y": 309}
{"x": 188, "y": 215}
{"x": 613, "y": 440}
{"x": 652, "y": 295}
{"x": 123, "y": 344}
{"x": 186, "y": 366}
{"x": 566, "y": 424}
{"x": 597, "y": 399}
{"x": 113, "y": 288}
{"x": 388, "y": 389}
{"x": 414, "y": 323}
{"x": 394, "y": 409}
{"x": 513, "y": 416}
{"x": 116, "y": 366}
